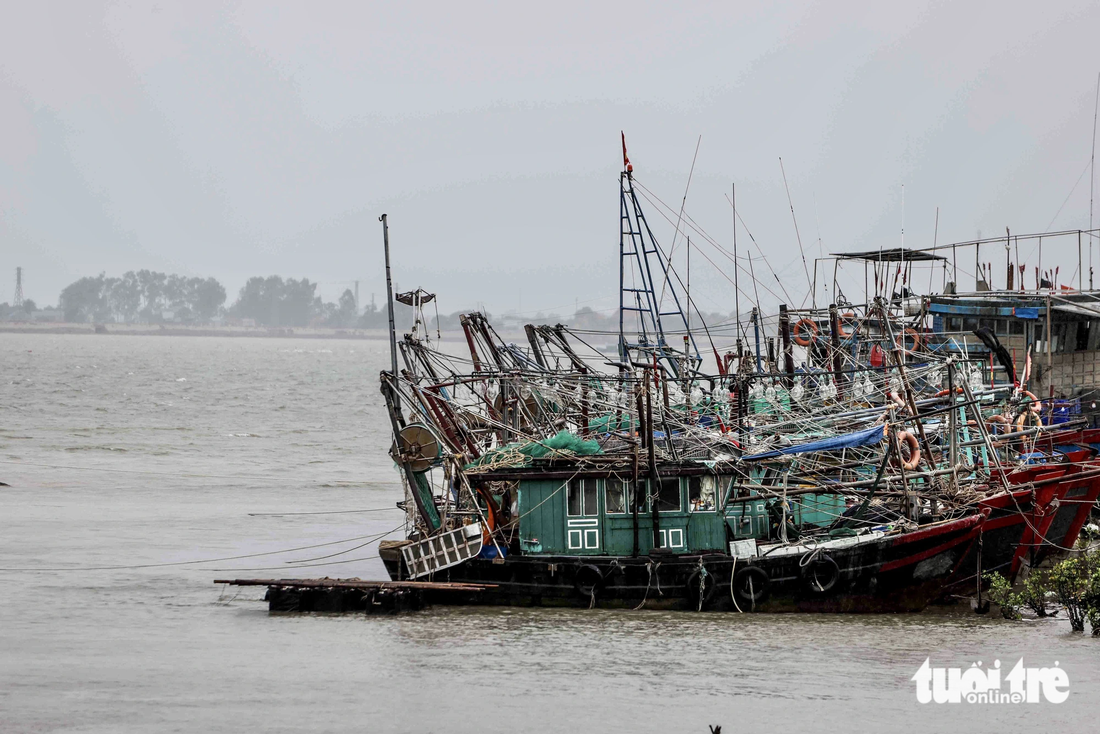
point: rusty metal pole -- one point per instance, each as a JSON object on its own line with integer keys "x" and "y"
{"x": 389, "y": 304}
{"x": 899, "y": 361}
{"x": 536, "y": 350}
{"x": 654, "y": 480}
{"x": 635, "y": 495}
{"x": 1050, "y": 357}
{"x": 834, "y": 338}
{"x": 788, "y": 354}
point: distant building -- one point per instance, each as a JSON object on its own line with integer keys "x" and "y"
{"x": 511, "y": 322}
{"x": 17, "y": 315}
{"x": 49, "y": 315}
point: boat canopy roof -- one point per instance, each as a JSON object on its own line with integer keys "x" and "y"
{"x": 894, "y": 254}
{"x": 1015, "y": 305}
{"x": 411, "y": 298}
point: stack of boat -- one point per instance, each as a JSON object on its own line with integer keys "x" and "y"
{"x": 883, "y": 478}
{"x": 885, "y": 471}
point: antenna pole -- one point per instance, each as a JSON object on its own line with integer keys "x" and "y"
{"x": 978, "y": 264}
{"x": 935, "y": 242}
{"x": 805, "y": 268}
{"x": 736, "y": 286}
{"x": 903, "y": 221}
{"x": 389, "y": 298}
{"x": 1092, "y": 172}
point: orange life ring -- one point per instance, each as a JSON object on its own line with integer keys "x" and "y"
{"x": 914, "y": 451}
{"x": 899, "y": 340}
{"x": 1029, "y": 416}
{"x": 1036, "y": 405}
{"x": 990, "y": 424}
{"x": 796, "y": 333}
{"x": 849, "y": 319}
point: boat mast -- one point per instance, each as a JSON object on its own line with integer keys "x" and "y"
{"x": 639, "y": 249}
{"x": 389, "y": 297}
{"x": 736, "y": 286}
{"x": 1092, "y": 173}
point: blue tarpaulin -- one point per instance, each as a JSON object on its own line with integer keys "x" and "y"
{"x": 867, "y": 437}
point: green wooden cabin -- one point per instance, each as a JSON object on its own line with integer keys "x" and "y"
{"x": 593, "y": 516}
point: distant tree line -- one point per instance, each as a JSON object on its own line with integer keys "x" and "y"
{"x": 142, "y": 296}
{"x": 28, "y": 307}
{"x": 146, "y": 296}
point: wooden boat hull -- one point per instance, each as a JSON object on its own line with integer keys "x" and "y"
{"x": 1025, "y": 526}
{"x": 1068, "y": 515}
{"x": 889, "y": 573}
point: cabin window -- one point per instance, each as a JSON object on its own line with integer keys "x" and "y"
{"x": 731, "y": 487}
{"x": 702, "y": 492}
{"x": 1015, "y": 327}
{"x": 582, "y": 498}
{"x": 618, "y": 496}
{"x": 954, "y": 323}
{"x": 668, "y": 495}
{"x": 1001, "y": 328}
{"x": 970, "y": 323}
{"x": 1058, "y": 338}
{"x": 1083, "y": 329}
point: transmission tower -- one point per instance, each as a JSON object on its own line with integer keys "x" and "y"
{"x": 18, "y": 288}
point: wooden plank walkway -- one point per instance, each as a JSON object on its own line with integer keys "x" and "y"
{"x": 355, "y": 583}
{"x": 352, "y": 595}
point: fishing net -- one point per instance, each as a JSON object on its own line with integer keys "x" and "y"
{"x": 612, "y": 422}
{"x": 561, "y": 444}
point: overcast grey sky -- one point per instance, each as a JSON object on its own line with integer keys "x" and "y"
{"x": 235, "y": 139}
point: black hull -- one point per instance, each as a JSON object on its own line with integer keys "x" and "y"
{"x": 899, "y": 573}
{"x": 998, "y": 548}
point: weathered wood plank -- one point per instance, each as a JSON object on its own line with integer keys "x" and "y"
{"x": 357, "y": 584}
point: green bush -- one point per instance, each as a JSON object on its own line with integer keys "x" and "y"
{"x": 1001, "y": 594}
{"x": 1076, "y": 582}
{"x": 1033, "y": 593}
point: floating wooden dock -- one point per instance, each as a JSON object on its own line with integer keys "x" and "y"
{"x": 351, "y": 595}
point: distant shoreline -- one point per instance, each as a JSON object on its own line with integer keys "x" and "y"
{"x": 182, "y": 330}
{"x": 254, "y": 332}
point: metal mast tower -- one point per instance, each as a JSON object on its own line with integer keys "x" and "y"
{"x": 640, "y": 259}
{"x": 18, "y": 288}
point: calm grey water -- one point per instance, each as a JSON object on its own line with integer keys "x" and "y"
{"x": 131, "y": 451}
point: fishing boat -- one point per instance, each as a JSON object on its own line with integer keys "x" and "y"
{"x": 865, "y": 457}
{"x": 558, "y": 475}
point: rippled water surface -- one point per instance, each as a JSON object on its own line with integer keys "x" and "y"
{"x": 145, "y": 451}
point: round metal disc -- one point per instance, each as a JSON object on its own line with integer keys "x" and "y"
{"x": 416, "y": 445}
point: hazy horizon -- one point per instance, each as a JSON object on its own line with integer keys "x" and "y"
{"x": 242, "y": 139}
